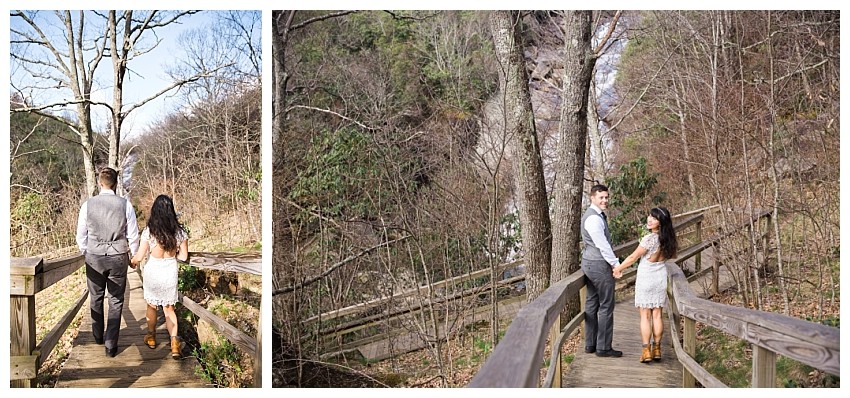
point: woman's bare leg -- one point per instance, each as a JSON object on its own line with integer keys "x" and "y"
{"x": 170, "y": 319}
{"x": 657, "y": 325}
{"x": 150, "y": 314}
{"x": 645, "y": 326}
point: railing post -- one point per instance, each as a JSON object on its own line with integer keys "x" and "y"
{"x": 258, "y": 359}
{"x": 22, "y": 282}
{"x": 582, "y": 298}
{"x": 689, "y": 344}
{"x": 698, "y": 259}
{"x": 715, "y": 274}
{"x": 764, "y": 367}
{"x": 554, "y": 332}
{"x": 766, "y": 242}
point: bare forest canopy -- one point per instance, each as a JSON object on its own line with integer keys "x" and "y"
{"x": 205, "y": 154}
{"x": 394, "y": 146}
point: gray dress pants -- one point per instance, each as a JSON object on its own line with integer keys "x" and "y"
{"x": 599, "y": 305}
{"x": 106, "y": 274}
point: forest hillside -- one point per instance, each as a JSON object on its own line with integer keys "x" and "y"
{"x": 410, "y": 149}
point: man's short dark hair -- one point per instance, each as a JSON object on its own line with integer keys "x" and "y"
{"x": 108, "y": 178}
{"x": 598, "y": 188}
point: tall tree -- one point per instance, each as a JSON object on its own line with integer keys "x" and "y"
{"x": 579, "y": 60}
{"x": 527, "y": 164}
{"x": 68, "y": 59}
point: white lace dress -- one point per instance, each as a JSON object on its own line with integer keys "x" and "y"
{"x": 160, "y": 274}
{"x": 651, "y": 282}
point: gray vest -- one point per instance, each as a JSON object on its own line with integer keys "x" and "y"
{"x": 106, "y": 221}
{"x": 591, "y": 252}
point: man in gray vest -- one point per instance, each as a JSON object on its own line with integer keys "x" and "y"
{"x": 597, "y": 262}
{"x": 107, "y": 234}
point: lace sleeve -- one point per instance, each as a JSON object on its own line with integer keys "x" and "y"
{"x": 650, "y": 243}
{"x": 181, "y": 236}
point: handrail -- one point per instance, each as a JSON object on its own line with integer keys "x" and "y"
{"x": 810, "y": 343}
{"x": 31, "y": 275}
{"x": 515, "y": 360}
{"x": 27, "y": 277}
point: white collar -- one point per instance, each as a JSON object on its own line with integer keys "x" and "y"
{"x": 104, "y": 191}
{"x": 595, "y": 207}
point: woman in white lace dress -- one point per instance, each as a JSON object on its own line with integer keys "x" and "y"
{"x": 651, "y": 283}
{"x": 167, "y": 241}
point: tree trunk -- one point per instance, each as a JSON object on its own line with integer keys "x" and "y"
{"x": 281, "y": 21}
{"x": 526, "y": 161}
{"x": 596, "y": 149}
{"x": 579, "y": 61}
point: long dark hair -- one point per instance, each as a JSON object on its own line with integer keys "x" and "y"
{"x": 163, "y": 223}
{"x": 666, "y": 233}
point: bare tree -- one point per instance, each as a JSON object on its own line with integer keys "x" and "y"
{"x": 69, "y": 59}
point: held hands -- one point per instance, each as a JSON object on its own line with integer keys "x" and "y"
{"x": 134, "y": 263}
{"x": 618, "y": 273}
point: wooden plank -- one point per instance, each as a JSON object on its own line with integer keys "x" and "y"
{"x": 250, "y": 262}
{"x": 697, "y": 211}
{"x": 691, "y": 370}
{"x": 25, "y": 266}
{"x": 365, "y": 322}
{"x": 22, "y": 369}
{"x": 399, "y": 343}
{"x": 353, "y": 309}
{"x": 764, "y": 367}
{"x": 690, "y": 347}
{"x": 515, "y": 361}
{"x": 246, "y": 343}
{"x": 811, "y": 343}
{"x": 136, "y": 365}
{"x": 258, "y": 358}
{"x": 553, "y": 373}
{"x": 23, "y": 285}
{"x": 56, "y": 270}
{"x": 590, "y": 371}
{"x": 22, "y": 331}
{"x": 45, "y": 347}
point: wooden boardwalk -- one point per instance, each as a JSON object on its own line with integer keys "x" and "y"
{"x": 136, "y": 365}
{"x": 590, "y": 371}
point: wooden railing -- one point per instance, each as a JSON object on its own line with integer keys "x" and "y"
{"x": 515, "y": 361}
{"x": 349, "y": 320}
{"x": 356, "y": 318}
{"x": 29, "y": 276}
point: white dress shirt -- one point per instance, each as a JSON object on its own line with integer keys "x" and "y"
{"x": 132, "y": 225}
{"x": 596, "y": 228}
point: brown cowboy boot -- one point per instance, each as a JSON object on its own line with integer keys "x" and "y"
{"x": 175, "y": 347}
{"x": 150, "y": 339}
{"x": 645, "y": 356}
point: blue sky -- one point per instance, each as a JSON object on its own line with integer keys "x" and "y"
{"x": 147, "y": 76}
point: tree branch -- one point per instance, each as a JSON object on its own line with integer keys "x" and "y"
{"x": 332, "y": 113}
{"x": 604, "y": 42}
{"x": 334, "y": 267}
{"x": 320, "y": 18}
{"x": 640, "y": 97}
{"x": 176, "y": 84}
